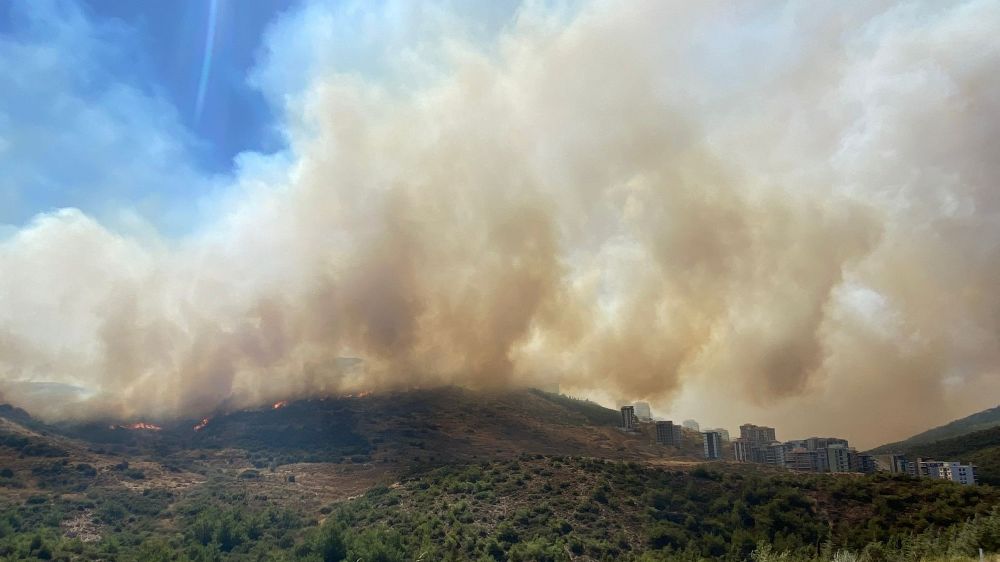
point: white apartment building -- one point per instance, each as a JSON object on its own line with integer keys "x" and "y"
{"x": 642, "y": 411}
{"x": 946, "y": 470}
{"x": 839, "y": 458}
{"x": 961, "y": 473}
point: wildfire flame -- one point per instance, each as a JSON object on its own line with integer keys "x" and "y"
{"x": 139, "y": 426}
{"x": 279, "y": 404}
{"x": 201, "y": 425}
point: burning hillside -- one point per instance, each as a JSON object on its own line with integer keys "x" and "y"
{"x": 138, "y": 426}
{"x": 429, "y": 424}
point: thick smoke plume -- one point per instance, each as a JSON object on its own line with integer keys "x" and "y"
{"x": 790, "y": 212}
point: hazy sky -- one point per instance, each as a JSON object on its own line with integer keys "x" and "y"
{"x": 783, "y": 213}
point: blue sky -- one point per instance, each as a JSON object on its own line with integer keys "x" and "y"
{"x": 170, "y": 40}
{"x": 99, "y": 98}
{"x": 97, "y": 105}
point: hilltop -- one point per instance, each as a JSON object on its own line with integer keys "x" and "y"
{"x": 976, "y": 422}
{"x": 430, "y": 426}
{"x": 974, "y": 439}
{"x": 981, "y": 448}
{"x": 353, "y": 442}
{"x": 446, "y": 474}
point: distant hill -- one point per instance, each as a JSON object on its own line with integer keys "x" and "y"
{"x": 981, "y": 448}
{"x": 19, "y": 416}
{"x": 425, "y": 426}
{"x": 973, "y": 439}
{"x": 976, "y": 422}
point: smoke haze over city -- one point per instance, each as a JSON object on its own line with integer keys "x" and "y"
{"x": 779, "y": 213}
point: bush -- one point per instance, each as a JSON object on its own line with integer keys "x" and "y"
{"x": 329, "y": 544}
{"x": 135, "y": 474}
{"x": 377, "y": 545}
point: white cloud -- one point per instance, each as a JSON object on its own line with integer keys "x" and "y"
{"x": 77, "y": 132}
{"x": 625, "y": 197}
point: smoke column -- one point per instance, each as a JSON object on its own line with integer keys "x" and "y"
{"x": 787, "y": 212}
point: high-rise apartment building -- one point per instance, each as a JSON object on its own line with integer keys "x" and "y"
{"x": 773, "y": 454}
{"x": 757, "y": 433}
{"x": 892, "y": 463}
{"x": 961, "y": 473}
{"x": 668, "y": 434}
{"x": 930, "y": 468}
{"x": 946, "y": 470}
{"x": 743, "y": 450}
{"x": 801, "y": 459}
{"x": 814, "y": 443}
{"x": 712, "y": 444}
{"x": 629, "y": 421}
{"x": 642, "y": 411}
{"x": 864, "y": 463}
{"x": 839, "y": 458}
{"x": 722, "y": 432}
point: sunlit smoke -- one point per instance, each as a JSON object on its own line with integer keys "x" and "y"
{"x": 788, "y": 212}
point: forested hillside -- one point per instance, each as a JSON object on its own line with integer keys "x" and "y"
{"x": 981, "y": 448}
{"x": 970, "y": 424}
{"x": 532, "y": 508}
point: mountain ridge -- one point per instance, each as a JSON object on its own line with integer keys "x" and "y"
{"x": 429, "y": 425}
{"x": 973, "y": 439}
{"x": 981, "y": 420}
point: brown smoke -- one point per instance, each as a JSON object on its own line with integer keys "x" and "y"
{"x": 784, "y": 213}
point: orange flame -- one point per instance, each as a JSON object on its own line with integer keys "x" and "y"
{"x": 141, "y": 426}
{"x": 361, "y": 394}
{"x": 279, "y": 404}
{"x": 201, "y": 425}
